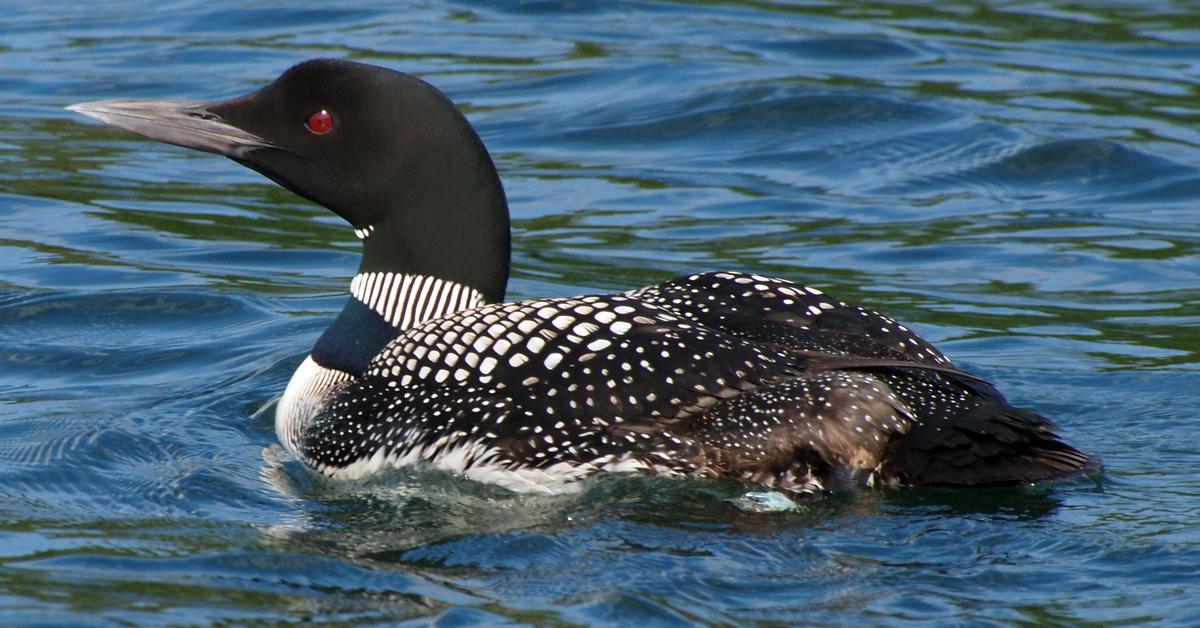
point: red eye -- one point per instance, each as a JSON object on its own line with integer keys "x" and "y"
{"x": 320, "y": 122}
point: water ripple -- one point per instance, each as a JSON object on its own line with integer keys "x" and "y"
{"x": 1018, "y": 182}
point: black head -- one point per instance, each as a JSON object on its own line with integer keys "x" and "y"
{"x": 384, "y": 150}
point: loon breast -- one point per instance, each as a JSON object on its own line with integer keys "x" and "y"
{"x": 388, "y": 301}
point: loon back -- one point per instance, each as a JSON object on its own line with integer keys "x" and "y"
{"x": 717, "y": 374}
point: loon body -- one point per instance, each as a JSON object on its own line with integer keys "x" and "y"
{"x": 719, "y": 374}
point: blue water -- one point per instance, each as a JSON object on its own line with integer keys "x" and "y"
{"x": 1019, "y": 181}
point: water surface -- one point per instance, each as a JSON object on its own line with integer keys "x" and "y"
{"x": 1020, "y": 182}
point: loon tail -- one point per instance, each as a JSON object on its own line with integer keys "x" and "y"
{"x": 991, "y": 444}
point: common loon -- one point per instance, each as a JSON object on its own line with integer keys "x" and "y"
{"x": 716, "y": 374}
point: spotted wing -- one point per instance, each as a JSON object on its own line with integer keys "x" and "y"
{"x": 536, "y": 383}
{"x": 778, "y": 311}
{"x": 559, "y": 388}
{"x": 827, "y": 333}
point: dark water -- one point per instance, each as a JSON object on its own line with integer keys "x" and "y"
{"x": 1020, "y": 182}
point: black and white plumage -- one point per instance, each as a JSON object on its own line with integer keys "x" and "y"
{"x": 718, "y": 374}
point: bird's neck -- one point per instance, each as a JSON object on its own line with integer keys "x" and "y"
{"x": 383, "y": 305}
{"x": 462, "y": 247}
{"x": 427, "y": 267}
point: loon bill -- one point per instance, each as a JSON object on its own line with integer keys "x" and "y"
{"x": 716, "y": 374}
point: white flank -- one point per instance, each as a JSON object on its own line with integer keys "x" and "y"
{"x": 476, "y": 461}
{"x": 304, "y": 397}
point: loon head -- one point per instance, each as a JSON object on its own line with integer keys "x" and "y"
{"x": 384, "y": 150}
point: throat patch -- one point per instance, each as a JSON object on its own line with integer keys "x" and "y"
{"x": 384, "y": 305}
{"x": 356, "y": 336}
{"x": 406, "y": 300}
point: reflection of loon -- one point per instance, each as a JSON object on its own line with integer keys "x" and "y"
{"x": 714, "y": 374}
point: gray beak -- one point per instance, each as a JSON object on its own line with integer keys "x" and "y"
{"x": 186, "y": 123}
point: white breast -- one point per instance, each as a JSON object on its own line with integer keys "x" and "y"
{"x": 305, "y": 396}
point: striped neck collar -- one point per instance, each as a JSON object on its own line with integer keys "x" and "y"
{"x": 405, "y": 301}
